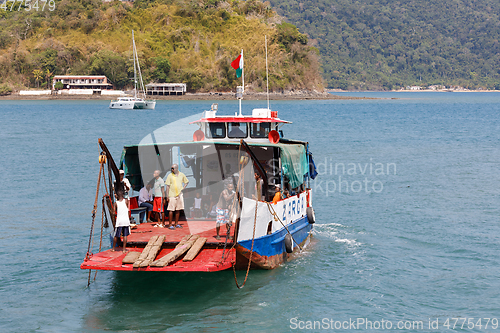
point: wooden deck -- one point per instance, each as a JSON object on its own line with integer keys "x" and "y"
{"x": 209, "y": 259}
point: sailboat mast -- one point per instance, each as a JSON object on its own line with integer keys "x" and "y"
{"x": 137, "y": 67}
{"x": 140, "y": 77}
{"x": 135, "y": 70}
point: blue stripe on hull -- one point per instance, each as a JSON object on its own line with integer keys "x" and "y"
{"x": 274, "y": 244}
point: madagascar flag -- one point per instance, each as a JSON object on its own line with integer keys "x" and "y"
{"x": 238, "y": 64}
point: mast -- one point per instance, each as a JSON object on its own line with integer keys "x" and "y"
{"x": 137, "y": 67}
{"x": 135, "y": 70}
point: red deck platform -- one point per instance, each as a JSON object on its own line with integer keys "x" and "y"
{"x": 208, "y": 260}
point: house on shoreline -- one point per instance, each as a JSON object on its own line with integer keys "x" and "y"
{"x": 95, "y": 82}
{"x": 162, "y": 89}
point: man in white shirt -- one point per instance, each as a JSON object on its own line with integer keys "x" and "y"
{"x": 126, "y": 184}
{"x": 145, "y": 200}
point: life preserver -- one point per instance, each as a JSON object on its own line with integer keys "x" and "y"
{"x": 288, "y": 243}
{"x": 310, "y": 215}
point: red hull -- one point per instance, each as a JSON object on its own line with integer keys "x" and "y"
{"x": 208, "y": 260}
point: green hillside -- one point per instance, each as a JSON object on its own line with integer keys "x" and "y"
{"x": 383, "y": 44}
{"x": 177, "y": 41}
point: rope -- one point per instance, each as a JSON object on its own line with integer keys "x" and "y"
{"x": 89, "y": 254}
{"x": 241, "y": 178}
{"x": 102, "y": 217}
{"x": 251, "y": 251}
{"x": 276, "y": 217}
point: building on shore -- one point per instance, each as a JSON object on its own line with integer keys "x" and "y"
{"x": 95, "y": 82}
{"x": 165, "y": 89}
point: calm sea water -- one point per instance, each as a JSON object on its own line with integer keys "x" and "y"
{"x": 407, "y": 206}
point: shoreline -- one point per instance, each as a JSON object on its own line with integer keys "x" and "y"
{"x": 251, "y": 96}
{"x": 195, "y": 97}
{"x": 402, "y": 91}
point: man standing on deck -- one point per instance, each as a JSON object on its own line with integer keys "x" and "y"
{"x": 176, "y": 182}
{"x": 126, "y": 184}
{"x": 158, "y": 193}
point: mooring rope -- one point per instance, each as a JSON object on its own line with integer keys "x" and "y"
{"x": 251, "y": 251}
{"x": 89, "y": 254}
{"x": 102, "y": 216}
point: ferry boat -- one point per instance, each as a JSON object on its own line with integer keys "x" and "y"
{"x": 249, "y": 152}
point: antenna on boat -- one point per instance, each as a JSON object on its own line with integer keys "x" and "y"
{"x": 267, "y": 75}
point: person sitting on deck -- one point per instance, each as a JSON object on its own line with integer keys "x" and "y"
{"x": 158, "y": 193}
{"x": 122, "y": 220}
{"x": 146, "y": 200}
{"x": 207, "y": 204}
{"x": 212, "y": 214}
{"x": 223, "y": 205}
{"x": 196, "y": 209}
{"x": 277, "y": 196}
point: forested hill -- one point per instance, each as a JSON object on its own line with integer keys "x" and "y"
{"x": 373, "y": 44}
{"x": 177, "y": 40}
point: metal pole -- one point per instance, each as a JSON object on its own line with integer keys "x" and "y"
{"x": 267, "y": 77}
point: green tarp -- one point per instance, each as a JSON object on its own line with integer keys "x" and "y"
{"x": 294, "y": 163}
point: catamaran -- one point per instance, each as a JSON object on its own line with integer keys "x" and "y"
{"x": 129, "y": 103}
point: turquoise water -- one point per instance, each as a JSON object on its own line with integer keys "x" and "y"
{"x": 407, "y": 205}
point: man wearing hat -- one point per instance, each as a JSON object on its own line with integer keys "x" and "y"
{"x": 277, "y": 195}
{"x": 126, "y": 184}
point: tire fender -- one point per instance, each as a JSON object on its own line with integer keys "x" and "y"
{"x": 288, "y": 243}
{"x": 310, "y": 215}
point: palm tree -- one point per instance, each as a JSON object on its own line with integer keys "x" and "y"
{"x": 38, "y": 75}
{"x": 48, "y": 75}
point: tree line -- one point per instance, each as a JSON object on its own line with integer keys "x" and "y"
{"x": 385, "y": 44}
{"x": 185, "y": 41}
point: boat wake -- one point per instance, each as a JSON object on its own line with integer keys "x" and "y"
{"x": 336, "y": 231}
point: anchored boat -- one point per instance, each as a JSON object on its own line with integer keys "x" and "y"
{"x": 129, "y": 103}
{"x": 248, "y": 152}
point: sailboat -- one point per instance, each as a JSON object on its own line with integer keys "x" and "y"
{"x": 129, "y": 103}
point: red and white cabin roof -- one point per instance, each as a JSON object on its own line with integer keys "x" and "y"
{"x": 258, "y": 116}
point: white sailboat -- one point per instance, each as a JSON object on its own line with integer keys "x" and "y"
{"x": 129, "y": 103}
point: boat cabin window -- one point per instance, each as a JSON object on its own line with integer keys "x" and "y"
{"x": 260, "y": 130}
{"x": 216, "y": 130}
{"x": 237, "y": 130}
